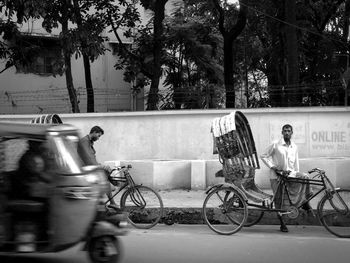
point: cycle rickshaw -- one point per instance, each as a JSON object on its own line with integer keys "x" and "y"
{"x": 66, "y": 209}
{"x": 240, "y": 202}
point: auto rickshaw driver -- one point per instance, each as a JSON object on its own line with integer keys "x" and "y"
{"x": 29, "y": 195}
{"x": 32, "y": 180}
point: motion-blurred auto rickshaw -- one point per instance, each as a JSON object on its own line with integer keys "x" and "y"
{"x": 48, "y": 200}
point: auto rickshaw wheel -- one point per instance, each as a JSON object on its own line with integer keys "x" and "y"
{"x": 104, "y": 249}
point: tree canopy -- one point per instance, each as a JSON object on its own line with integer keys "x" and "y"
{"x": 276, "y": 53}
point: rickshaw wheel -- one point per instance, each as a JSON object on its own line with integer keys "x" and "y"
{"x": 254, "y": 217}
{"x": 104, "y": 249}
{"x": 334, "y": 212}
{"x": 225, "y": 210}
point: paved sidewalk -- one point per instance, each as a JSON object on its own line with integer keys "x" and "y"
{"x": 183, "y": 198}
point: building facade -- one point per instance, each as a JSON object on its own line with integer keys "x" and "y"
{"x": 39, "y": 89}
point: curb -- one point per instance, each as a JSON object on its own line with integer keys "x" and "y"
{"x": 191, "y": 215}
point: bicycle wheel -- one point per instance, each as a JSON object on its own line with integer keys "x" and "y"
{"x": 253, "y": 218}
{"x": 225, "y": 211}
{"x": 334, "y": 212}
{"x": 143, "y": 205}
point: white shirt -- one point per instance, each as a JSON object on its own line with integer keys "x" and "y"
{"x": 284, "y": 157}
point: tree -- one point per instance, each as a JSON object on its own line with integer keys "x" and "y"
{"x": 190, "y": 58}
{"x": 291, "y": 48}
{"x": 89, "y": 29}
{"x": 59, "y": 12}
{"x": 84, "y": 39}
{"x": 123, "y": 16}
{"x": 140, "y": 64}
{"x": 346, "y": 24}
{"x": 192, "y": 63}
{"x": 11, "y": 54}
{"x": 322, "y": 46}
{"x": 14, "y": 13}
{"x": 67, "y": 53}
{"x": 158, "y": 7}
{"x": 230, "y": 31}
{"x": 317, "y": 30}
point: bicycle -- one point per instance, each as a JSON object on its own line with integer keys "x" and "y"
{"x": 143, "y": 205}
{"x": 231, "y": 206}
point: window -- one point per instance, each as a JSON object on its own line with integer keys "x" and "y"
{"x": 45, "y": 56}
{"x": 43, "y": 65}
{"x": 116, "y": 46}
{"x": 67, "y": 160}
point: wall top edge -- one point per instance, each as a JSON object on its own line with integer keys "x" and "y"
{"x": 188, "y": 112}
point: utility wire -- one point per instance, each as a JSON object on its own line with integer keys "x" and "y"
{"x": 293, "y": 25}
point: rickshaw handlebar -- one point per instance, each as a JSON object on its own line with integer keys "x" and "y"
{"x": 283, "y": 173}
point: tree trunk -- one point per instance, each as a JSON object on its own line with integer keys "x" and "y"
{"x": 69, "y": 82}
{"x": 67, "y": 62}
{"x": 275, "y": 76}
{"x": 292, "y": 63}
{"x": 159, "y": 8}
{"x": 229, "y": 36}
{"x": 228, "y": 73}
{"x": 278, "y": 68}
{"x": 274, "y": 58}
{"x": 345, "y": 38}
{"x": 86, "y": 60}
{"x": 89, "y": 88}
{"x": 346, "y": 21}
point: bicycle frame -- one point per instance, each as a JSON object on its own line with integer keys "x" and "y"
{"x": 314, "y": 182}
{"x": 327, "y": 188}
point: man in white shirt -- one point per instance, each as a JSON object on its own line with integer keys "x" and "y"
{"x": 283, "y": 156}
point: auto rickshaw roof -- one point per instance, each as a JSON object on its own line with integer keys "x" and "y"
{"x": 34, "y": 131}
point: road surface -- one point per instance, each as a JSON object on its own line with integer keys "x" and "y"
{"x": 197, "y": 243}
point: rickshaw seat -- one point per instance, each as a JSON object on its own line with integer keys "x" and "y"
{"x": 252, "y": 191}
{"x": 247, "y": 184}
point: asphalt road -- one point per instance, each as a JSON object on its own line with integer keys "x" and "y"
{"x": 197, "y": 243}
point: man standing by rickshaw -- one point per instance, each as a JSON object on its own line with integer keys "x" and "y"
{"x": 282, "y": 158}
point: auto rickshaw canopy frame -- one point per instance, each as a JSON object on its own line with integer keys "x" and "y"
{"x": 32, "y": 131}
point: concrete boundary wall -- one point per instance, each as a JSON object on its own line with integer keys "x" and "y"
{"x": 200, "y": 174}
{"x": 175, "y": 147}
